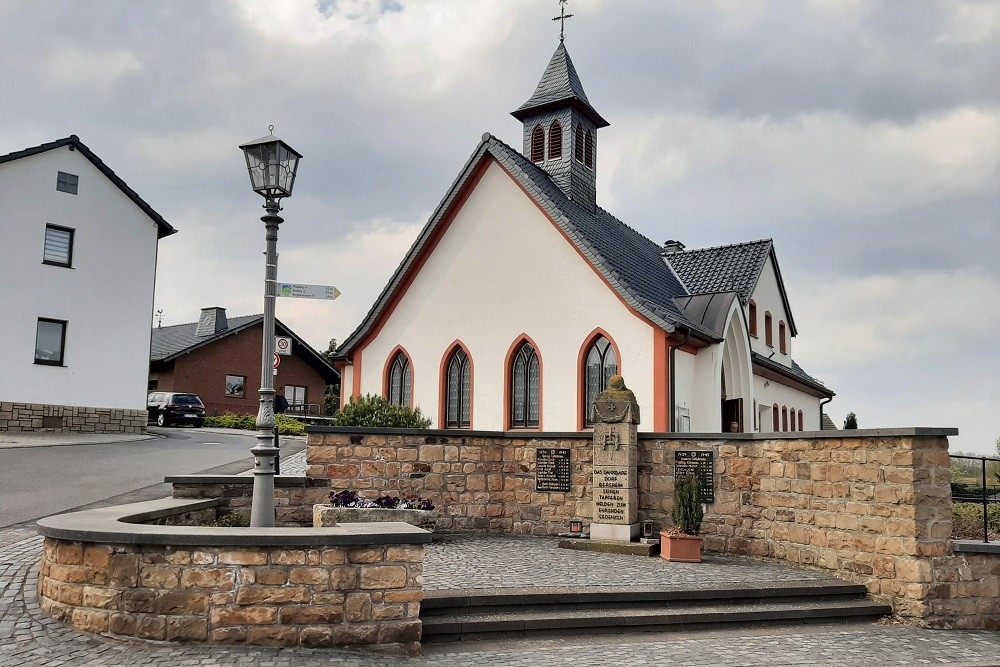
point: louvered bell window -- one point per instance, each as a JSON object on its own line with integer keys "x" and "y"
{"x": 58, "y": 246}
{"x": 538, "y": 144}
{"x": 602, "y": 363}
{"x": 458, "y": 390}
{"x": 525, "y": 388}
{"x": 555, "y": 140}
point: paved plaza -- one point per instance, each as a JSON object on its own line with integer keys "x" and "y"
{"x": 28, "y": 637}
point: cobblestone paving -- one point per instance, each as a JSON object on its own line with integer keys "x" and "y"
{"x": 467, "y": 561}
{"x": 28, "y": 638}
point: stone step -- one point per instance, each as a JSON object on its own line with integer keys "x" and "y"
{"x": 568, "y": 619}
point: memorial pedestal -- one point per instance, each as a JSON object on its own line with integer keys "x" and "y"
{"x": 614, "y": 532}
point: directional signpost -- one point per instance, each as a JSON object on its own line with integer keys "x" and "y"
{"x": 301, "y": 291}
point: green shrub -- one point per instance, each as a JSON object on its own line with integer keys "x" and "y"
{"x": 967, "y": 521}
{"x": 232, "y": 520}
{"x": 286, "y": 425}
{"x": 688, "y": 512}
{"x": 374, "y": 410}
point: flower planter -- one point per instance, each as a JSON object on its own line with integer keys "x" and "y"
{"x": 325, "y": 516}
{"x": 680, "y": 548}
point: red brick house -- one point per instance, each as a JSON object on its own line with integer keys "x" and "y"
{"x": 218, "y": 358}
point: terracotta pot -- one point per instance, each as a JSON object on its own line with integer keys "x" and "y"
{"x": 680, "y": 548}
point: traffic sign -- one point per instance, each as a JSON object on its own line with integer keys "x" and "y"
{"x": 303, "y": 291}
{"x": 277, "y": 360}
{"x": 283, "y": 344}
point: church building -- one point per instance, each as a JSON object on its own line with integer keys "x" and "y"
{"x": 521, "y": 297}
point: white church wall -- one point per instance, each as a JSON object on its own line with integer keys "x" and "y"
{"x": 770, "y": 392}
{"x": 767, "y": 296}
{"x": 106, "y": 296}
{"x": 502, "y": 269}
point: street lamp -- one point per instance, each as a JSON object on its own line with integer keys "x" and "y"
{"x": 272, "y": 164}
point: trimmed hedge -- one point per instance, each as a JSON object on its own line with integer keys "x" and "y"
{"x": 374, "y": 410}
{"x": 286, "y": 425}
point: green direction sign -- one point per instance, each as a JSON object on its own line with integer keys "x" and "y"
{"x": 301, "y": 291}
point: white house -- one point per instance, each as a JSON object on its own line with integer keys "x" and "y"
{"x": 78, "y": 262}
{"x": 521, "y": 297}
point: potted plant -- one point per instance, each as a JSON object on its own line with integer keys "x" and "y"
{"x": 681, "y": 542}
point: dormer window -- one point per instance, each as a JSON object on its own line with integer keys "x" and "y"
{"x": 588, "y": 151}
{"x": 555, "y": 140}
{"x": 537, "y": 144}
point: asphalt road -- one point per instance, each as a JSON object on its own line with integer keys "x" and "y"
{"x": 39, "y": 481}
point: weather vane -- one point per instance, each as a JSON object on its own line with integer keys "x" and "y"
{"x": 562, "y": 19}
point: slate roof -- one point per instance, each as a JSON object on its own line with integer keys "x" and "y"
{"x": 163, "y": 227}
{"x": 795, "y": 372}
{"x": 168, "y": 343}
{"x": 559, "y": 84}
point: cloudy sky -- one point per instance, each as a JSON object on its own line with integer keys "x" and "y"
{"x": 862, "y": 136}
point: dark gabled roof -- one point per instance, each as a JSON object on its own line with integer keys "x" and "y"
{"x": 729, "y": 268}
{"x": 630, "y": 262}
{"x": 163, "y": 227}
{"x": 168, "y": 343}
{"x": 559, "y": 85}
{"x": 709, "y": 310}
{"x": 794, "y": 372}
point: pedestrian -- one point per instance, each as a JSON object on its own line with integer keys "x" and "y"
{"x": 280, "y": 404}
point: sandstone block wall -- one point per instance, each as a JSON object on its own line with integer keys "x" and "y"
{"x": 70, "y": 419}
{"x": 293, "y": 500}
{"x": 264, "y": 596}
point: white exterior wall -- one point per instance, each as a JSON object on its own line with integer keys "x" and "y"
{"x": 788, "y": 397}
{"x": 106, "y": 297}
{"x": 767, "y": 296}
{"x": 502, "y": 269}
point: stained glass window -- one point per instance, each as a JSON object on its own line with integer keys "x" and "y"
{"x": 525, "y": 388}
{"x": 601, "y": 364}
{"x": 457, "y": 391}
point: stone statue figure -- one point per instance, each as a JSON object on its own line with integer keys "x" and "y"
{"x": 616, "y": 404}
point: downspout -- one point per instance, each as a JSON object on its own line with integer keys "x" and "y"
{"x": 673, "y": 381}
{"x": 821, "y": 404}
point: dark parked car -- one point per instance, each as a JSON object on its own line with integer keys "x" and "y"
{"x": 168, "y": 408}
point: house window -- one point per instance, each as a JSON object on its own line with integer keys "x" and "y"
{"x": 50, "y": 341}
{"x": 753, "y": 318}
{"x": 800, "y": 421}
{"x": 600, "y": 364}
{"x": 400, "y": 389}
{"x": 296, "y": 397}
{"x": 236, "y": 385}
{"x": 58, "y": 249}
{"x": 537, "y": 144}
{"x": 782, "y": 341}
{"x": 67, "y": 182}
{"x": 791, "y": 411}
{"x": 579, "y": 142}
{"x": 555, "y": 140}
{"x": 589, "y": 150}
{"x": 683, "y": 420}
{"x": 457, "y": 391}
{"x": 525, "y": 378}
{"x": 768, "y": 335}
{"x": 776, "y": 426}
{"x": 784, "y": 418}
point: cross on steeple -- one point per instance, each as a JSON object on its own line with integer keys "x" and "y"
{"x": 562, "y": 20}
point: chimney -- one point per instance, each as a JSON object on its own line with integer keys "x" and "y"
{"x": 211, "y": 322}
{"x": 672, "y": 247}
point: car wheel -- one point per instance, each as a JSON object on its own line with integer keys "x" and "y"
{"x": 161, "y": 419}
{"x": 198, "y": 423}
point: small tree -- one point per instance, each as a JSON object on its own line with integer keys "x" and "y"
{"x": 374, "y": 410}
{"x": 851, "y": 422}
{"x": 688, "y": 512}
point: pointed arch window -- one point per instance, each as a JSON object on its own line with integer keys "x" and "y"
{"x": 600, "y": 364}
{"x": 555, "y": 140}
{"x": 525, "y": 390}
{"x": 776, "y": 425}
{"x": 537, "y": 144}
{"x": 752, "y": 316}
{"x": 800, "y": 421}
{"x": 457, "y": 390}
{"x": 782, "y": 337}
{"x": 589, "y": 150}
{"x": 400, "y": 390}
{"x": 578, "y": 141}
{"x": 784, "y": 418}
{"x": 768, "y": 327}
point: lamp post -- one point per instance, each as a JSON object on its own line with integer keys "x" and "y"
{"x": 272, "y": 164}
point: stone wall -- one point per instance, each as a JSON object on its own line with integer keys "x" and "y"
{"x": 268, "y": 596}
{"x": 869, "y": 506}
{"x": 294, "y": 497}
{"x": 70, "y": 419}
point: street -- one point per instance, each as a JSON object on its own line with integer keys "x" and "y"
{"x": 38, "y": 481}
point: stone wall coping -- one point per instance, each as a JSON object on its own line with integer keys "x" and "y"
{"x": 235, "y": 480}
{"x": 118, "y": 525}
{"x": 972, "y": 546}
{"x": 909, "y": 431}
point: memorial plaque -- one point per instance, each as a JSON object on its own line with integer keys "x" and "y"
{"x": 552, "y": 470}
{"x": 701, "y": 464}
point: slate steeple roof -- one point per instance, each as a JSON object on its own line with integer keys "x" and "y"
{"x": 559, "y": 85}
